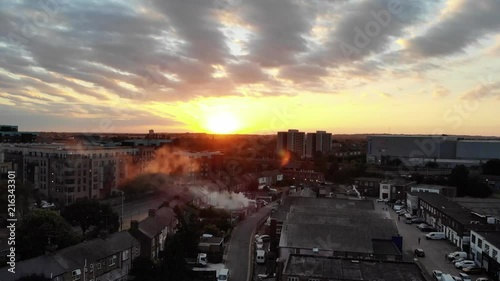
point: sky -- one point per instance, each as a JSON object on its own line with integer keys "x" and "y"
{"x": 251, "y": 66}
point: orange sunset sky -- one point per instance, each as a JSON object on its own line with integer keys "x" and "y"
{"x": 257, "y": 66}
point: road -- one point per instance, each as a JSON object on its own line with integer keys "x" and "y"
{"x": 434, "y": 249}
{"x": 239, "y": 251}
{"x": 136, "y": 210}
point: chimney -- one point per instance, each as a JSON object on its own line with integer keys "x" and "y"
{"x": 152, "y": 213}
{"x": 134, "y": 225}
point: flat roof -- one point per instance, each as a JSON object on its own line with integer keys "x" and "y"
{"x": 482, "y": 206}
{"x": 337, "y": 234}
{"x": 493, "y": 237}
{"x": 348, "y": 270}
{"x": 451, "y": 209}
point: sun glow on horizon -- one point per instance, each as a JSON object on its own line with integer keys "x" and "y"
{"x": 222, "y": 123}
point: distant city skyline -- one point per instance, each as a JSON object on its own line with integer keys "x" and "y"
{"x": 223, "y": 66}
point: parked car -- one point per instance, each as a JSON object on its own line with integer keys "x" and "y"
{"x": 435, "y": 235}
{"x": 417, "y": 220}
{"x": 464, "y": 277}
{"x": 456, "y": 278}
{"x": 419, "y": 253}
{"x": 457, "y": 255}
{"x": 482, "y": 279}
{"x": 465, "y": 263}
{"x": 380, "y": 200}
{"x": 265, "y": 238}
{"x": 437, "y": 274}
{"x": 473, "y": 270}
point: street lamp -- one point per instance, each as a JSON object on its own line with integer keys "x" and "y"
{"x": 121, "y": 217}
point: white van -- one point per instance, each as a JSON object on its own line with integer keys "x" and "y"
{"x": 435, "y": 235}
{"x": 261, "y": 256}
{"x": 223, "y": 275}
{"x": 457, "y": 255}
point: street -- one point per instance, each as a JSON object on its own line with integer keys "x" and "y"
{"x": 239, "y": 251}
{"x": 434, "y": 249}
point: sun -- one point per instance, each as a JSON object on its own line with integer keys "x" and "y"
{"x": 222, "y": 123}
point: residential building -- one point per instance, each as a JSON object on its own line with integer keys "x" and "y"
{"x": 395, "y": 189}
{"x": 448, "y": 216}
{"x": 446, "y": 191}
{"x": 319, "y": 268}
{"x": 10, "y": 134}
{"x": 269, "y": 177}
{"x": 293, "y": 141}
{"x": 102, "y": 259}
{"x": 485, "y": 251}
{"x": 320, "y": 141}
{"x": 152, "y": 231}
{"x": 5, "y": 167}
{"x": 204, "y": 165}
{"x": 302, "y": 174}
{"x": 419, "y": 149}
{"x": 65, "y": 173}
{"x": 368, "y": 186}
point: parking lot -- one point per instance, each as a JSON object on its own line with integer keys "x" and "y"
{"x": 435, "y": 250}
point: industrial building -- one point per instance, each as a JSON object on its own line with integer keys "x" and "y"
{"x": 414, "y": 150}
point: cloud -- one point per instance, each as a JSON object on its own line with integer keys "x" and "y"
{"x": 303, "y": 73}
{"x": 482, "y": 91}
{"x": 365, "y": 28}
{"x": 440, "y": 92}
{"x": 278, "y": 28}
{"x": 247, "y": 73}
{"x": 462, "y": 26}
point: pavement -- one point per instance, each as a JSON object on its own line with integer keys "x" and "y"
{"x": 239, "y": 253}
{"x": 435, "y": 250}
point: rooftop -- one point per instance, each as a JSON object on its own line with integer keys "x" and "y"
{"x": 333, "y": 203}
{"x": 430, "y": 186}
{"x": 493, "y": 237}
{"x": 451, "y": 209}
{"x": 482, "y": 206}
{"x": 341, "y": 234}
{"x": 347, "y": 270}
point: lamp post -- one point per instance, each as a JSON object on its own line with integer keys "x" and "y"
{"x": 121, "y": 217}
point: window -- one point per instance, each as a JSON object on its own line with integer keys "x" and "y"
{"x": 98, "y": 265}
{"x": 125, "y": 255}
{"x": 487, "y": 248}
{"x": 494, "y": 253}
{"x": 292, "y": 279}
{"x": 112, "y": 261}
{"x": 473, "y": 238}
{"x": 479, "y": 243}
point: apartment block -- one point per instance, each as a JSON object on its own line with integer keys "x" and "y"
{"x": 320, "y": 141}
{"x": 65, "y": 173}
{"x": 293, "y": 141}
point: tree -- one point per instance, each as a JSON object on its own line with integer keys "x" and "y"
{"x": 144, "y": 269}
{"x": 89, "y": 212}
{"x": 38, "y": 227}
{"x": 253, "y": 186}
{"x": 459, "y": 177}
{"x": 476, "y": 188}
{"x": 174, "y": 266}
{"x": 432, "y": 165}
{"x": 24, "y": 195}
{"x": 492, "y": 167}
{"x": 34, "y": 277}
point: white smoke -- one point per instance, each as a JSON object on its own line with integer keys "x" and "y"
{"x": 222, "y": 199}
